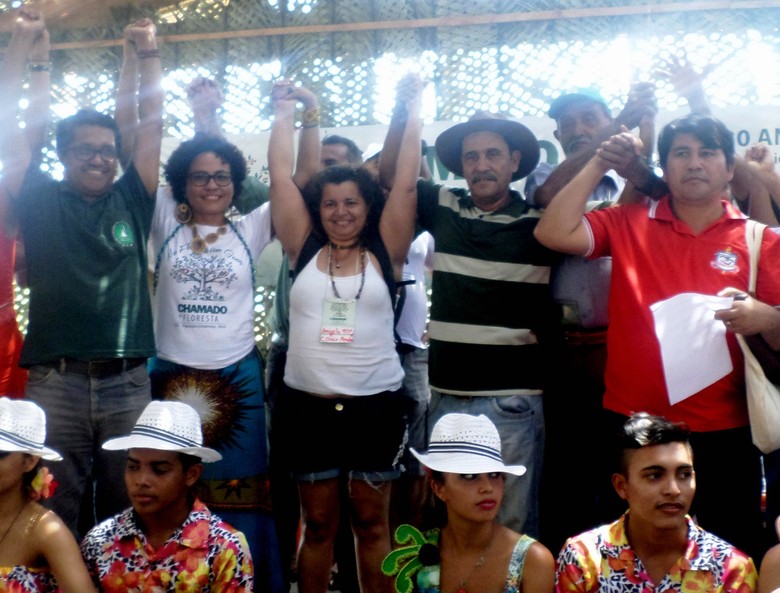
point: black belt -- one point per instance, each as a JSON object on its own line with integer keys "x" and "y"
{"x": 95, "y": 368}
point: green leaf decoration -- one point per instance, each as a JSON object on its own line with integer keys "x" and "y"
{"x": 403, "y": 561}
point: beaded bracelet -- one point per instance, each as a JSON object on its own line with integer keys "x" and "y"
{"x": 311, "y": 117}
{"x": 142, "y": 54}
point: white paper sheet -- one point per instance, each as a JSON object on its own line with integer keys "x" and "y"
{"x": 693, "y": 343}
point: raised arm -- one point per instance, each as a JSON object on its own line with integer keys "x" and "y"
{"x": 765, "y": 184}
{"x": 148, "y": 137}
{"x": 561, "y": 226}
{"x": 687, "y": 81}
{"x": 126, "y": 114}
{"x": 15, "y": 150}
{"x": 308, "y": 163}
{"x": 206, "y": 98}
{"x": 37, "y": 119}
{"x": 290, "y": 216}
{"x": 390, "y": 149}
{"x": 398, "y": 217}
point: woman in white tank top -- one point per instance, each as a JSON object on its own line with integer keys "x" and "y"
{"x": 342, "y": 405}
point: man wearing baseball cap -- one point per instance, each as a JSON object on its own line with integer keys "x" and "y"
{"x": 168, "y": 539}
{"x": 490, "y": 310}
{"x": 573, "y": 406}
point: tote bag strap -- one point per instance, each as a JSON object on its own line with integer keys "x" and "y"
{"x": 754, "y": 233}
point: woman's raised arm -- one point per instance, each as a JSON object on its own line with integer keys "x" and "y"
{"x": 291, "y": 219}
{"x": 398, "y": 217}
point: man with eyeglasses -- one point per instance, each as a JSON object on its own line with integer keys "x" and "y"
{"x": 90, "y": 323}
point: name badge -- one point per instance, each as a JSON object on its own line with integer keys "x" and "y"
{"x": 338, "y": 321}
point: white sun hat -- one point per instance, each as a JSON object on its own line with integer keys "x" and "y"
{"x": 23, "y": 429}
{"x": 465, "y": 444}
{"x": 167, "y": 426}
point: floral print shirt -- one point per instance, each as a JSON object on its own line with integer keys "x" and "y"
{"x": 602, "y": 560}
{"x": 23, "y": 579}
{"x": 204, "y": 555}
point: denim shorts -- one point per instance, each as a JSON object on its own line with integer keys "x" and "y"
{"x": 360, "y": 437}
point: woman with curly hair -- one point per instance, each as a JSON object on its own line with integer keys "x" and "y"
{"x": 204, "y": 304}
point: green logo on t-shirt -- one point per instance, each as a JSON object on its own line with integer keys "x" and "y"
{"x": 123, "y": 233}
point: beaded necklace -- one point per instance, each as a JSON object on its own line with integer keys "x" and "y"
{"x": 359, "y": 264}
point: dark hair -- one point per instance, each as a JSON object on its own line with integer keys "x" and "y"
{"x": 711, "y": 132}
{"x": 199, "y": 488}
{"x": 66, "y": 129}
{"x": 368, "y": 187}
{"x": 434, "y": 511}
{"x": 187, "y": 460}
{"x": 645, "y": 430}
{"x": 29, "y": 476}
{"x": 178, "y": 166}
{"x": 354, "y": 154}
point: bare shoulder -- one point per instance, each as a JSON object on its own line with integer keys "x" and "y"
{"x": 47, "y": 528}
{"x": 539, "y": 555}
{"x": 539, "y": 572}
{"x": 769, "y": 574}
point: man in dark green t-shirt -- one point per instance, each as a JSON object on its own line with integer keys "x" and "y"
{"x": 90, "y": 325}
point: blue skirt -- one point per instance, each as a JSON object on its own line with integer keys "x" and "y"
{"x": 231, "y": 403}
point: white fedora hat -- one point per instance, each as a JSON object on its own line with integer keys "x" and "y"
{"x": 167, "y": 426}
{"x": 466, "y": 444}
{"x": 23, "y": 429}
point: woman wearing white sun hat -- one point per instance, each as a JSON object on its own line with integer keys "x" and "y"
{"x": 469, "y": 550}
{"x": 38, "y": 553}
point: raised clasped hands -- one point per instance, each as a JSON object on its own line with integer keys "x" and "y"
{"x": 641, "y": 103}
{"x": 409, "y": 92}
{"x": 619, "y": 152}
{"x": 142, "y": 34}
{"x": 29, "y": 25}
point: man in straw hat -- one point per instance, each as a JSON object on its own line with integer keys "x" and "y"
{"x": 490, "y": 307}
{"x": 168, "y": 538}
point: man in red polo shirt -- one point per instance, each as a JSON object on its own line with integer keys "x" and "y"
{"x": 691, "y": 242}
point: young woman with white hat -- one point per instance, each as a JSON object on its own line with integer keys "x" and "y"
{"x": 38, "y": 553}
{"x": 468, "y": 552}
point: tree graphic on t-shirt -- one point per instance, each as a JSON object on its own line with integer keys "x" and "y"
{"x": 204, "y": 271}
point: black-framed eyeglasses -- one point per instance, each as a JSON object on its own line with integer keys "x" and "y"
{"x": 85, "y": 152}
{"x": 201, "y": 178}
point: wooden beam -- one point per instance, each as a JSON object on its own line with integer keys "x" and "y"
{"x": 454, "y": 21}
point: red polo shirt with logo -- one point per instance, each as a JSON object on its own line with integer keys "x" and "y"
{"x": 654, "y": 257}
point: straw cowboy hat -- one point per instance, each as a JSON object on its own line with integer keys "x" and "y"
{"x": 449, "y": 144}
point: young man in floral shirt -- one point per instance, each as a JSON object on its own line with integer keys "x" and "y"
{"x": 168, "y": 539}
{"x": 655, "y": 546}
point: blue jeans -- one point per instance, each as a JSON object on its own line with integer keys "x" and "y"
{"x": 520, "y": 423}
{"x": 81, "y": 414}
{"x": 417, "y": 395}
